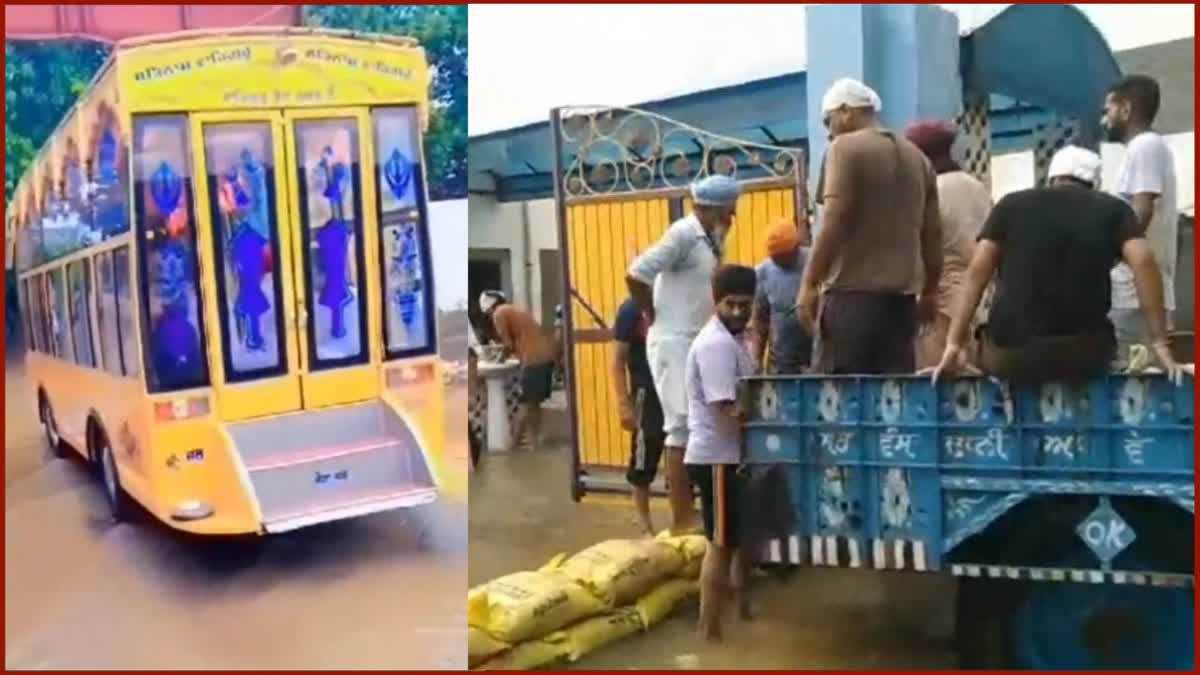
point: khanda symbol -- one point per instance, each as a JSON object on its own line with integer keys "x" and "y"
{"x": 398, "y": 173}
{"x": 165, "y": 189}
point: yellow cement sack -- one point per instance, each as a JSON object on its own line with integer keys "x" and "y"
{"x": 481, "y": 646}
{"x": 529, "y": 605}
{"x": 589, "y": 635}
{"x": 621, "y": 570}
{"x": 691, "y": 547}
{"x": 656, "y": 605}
{"x": 529, "y": 655}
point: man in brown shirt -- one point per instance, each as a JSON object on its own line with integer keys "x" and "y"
{"x": 521, "y": 336}
{"x": 877, "y": 259}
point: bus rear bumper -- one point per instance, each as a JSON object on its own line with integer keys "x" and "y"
{"x": 399, "y": 500}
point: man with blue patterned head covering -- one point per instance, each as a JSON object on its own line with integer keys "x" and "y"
{"x": 670, "y": 281}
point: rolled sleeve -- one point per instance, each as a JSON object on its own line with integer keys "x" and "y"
{"x": 719, "y": 372}
{"x": 662, "y": 254}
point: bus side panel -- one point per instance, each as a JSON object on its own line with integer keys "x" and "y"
{"x": 195, "y": 460}
{"x": 421, "y": 404}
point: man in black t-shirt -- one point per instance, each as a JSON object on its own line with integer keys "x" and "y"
{"x": 638, "y": 405}
{"x": 1051, "y": 250}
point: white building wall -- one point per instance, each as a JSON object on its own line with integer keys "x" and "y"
{"x": 523, "y": 229}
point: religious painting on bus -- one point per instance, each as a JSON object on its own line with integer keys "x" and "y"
{"x": 240, "y": 161}
{"x": 404, "y": 245}
{"x": 328, "y": 152}
{"x": 172, "y": 328}
{"x": 109, "y": 184}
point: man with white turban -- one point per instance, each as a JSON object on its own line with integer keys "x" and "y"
{"x": 873, "y": 272}
{"x": 670, "y": 281}
{"x": 1051, "y": 250}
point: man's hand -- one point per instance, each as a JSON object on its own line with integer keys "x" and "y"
{"x": 806, "y": 307}
{"x": 1166, "y": 360}
{"x": 625, "y": 410}
{"x": 953, "y": 361}
{"x": 649, "y": 314}
{"x": 927, "y": 309}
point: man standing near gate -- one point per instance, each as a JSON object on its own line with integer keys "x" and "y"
{"x": 670, "y": 282}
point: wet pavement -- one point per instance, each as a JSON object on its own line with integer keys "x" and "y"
{"x": 382, "y": 592}
{"x": 522, "y": 515}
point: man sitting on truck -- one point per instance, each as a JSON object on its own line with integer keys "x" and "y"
{"x": 1051, "y": 250}
{"x": 717, "y": 360}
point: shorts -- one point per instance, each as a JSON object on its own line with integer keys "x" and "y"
{"x": 866, "y": 333}
{"x": 536, "y": 381}
{"x": 720, "y": 489}
{"x": 646, "y": 448}
{"x": 1046, "y": 359}
{"x": 668, "y": 363}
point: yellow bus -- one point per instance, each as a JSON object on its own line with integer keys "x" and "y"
{"x": 224, "y": 263}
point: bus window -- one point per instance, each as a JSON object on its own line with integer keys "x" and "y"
{"x": 172, "y": 331}
{"x": 110, "y": 179}
{"x": 404, "y": 237}
{"x": 329, "y": 175}
{"x": 59, "y": 337}
{"x": 126, "y": 337}
{"x": 79, "y": 282}
{"x": 241, "y": 187}
{"x": 106, "y": 314}
{"x": 37, "y": 290}
{"x": 27, "y": 310}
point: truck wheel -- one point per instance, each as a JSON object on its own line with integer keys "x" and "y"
{"x": 982, "y": 635}
{"x": 1076, "y": 626}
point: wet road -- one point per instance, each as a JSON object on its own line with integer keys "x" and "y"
{"x": 383, "y": 592}
{"x": 521, "y": 516}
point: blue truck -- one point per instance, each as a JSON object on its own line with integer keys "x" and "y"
{"x": 1065, "y": 510}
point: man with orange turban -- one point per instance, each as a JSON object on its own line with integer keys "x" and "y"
{"x": 775, "y": 322}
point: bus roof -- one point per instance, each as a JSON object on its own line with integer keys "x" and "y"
{"x": 26, "y": 183}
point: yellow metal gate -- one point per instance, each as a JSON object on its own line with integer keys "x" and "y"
{"x": 623, "y": 178}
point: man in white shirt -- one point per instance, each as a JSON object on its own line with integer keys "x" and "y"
{"x": 1146, "y": 181}
{"x": 670, "y": 282}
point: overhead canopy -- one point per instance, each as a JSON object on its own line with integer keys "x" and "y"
{"x": 110, "y": 23}
{"x": 1048, "y": 55}
{"x": 1038, "y": 62}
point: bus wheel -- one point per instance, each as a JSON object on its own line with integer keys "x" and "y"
{"x": 50, "y": 427}
{"x": 118, "y": 501}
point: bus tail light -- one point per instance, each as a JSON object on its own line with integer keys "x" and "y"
{"x": 410, "y": 375}
{"x": 180, "y": 409}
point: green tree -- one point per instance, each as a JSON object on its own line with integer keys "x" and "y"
{"x": 442, "y": 31}
{"x": 41, "y": 82}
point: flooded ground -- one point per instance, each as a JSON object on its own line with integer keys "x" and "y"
{"x": 383, "y": 592}
{"x": 522, "y": 515}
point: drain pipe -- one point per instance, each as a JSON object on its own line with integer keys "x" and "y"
{"x": 526, "y": 254}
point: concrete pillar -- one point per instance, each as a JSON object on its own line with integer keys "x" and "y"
{"x": 907, "y": 53}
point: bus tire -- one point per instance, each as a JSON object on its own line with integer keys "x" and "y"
{"x": 54, "y": 441}
{"x": 118, "y": 501}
